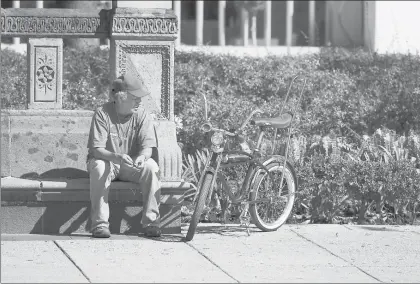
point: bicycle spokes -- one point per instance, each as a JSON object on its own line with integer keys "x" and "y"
{"x": 272, "y": 199}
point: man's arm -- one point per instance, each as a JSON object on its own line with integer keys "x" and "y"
{"x": 146, "y": 141}
{"x": 103, "y": 154}
{"x": 142, "y": 156}
{"x": 146, "y": 152}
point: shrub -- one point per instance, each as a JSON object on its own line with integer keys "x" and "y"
{"x": 366, "y": 174}
{"x": 86, "y": 78}
{"x": 387, "y": 84}
{"x": 321, "y": 188}
{"x": 13, "y": 81}
{"x": 363, "y": 90}
{"x": 354, "y": 88}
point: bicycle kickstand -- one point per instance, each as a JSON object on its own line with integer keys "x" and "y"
{"x": 244, "y": 218}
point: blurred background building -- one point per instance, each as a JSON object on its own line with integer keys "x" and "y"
{"x": 385, "y": 26}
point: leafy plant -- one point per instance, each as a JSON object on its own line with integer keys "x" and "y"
{"x": 193, "y": 166}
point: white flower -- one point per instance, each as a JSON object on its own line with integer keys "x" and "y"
{"x": 178, "y": 122}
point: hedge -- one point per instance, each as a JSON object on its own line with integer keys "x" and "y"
{"x": 362, "y": 90}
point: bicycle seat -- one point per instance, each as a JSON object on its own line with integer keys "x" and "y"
{"x": 281, "y": 121}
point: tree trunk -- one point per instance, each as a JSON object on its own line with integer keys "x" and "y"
{"x": 85, "y": 5}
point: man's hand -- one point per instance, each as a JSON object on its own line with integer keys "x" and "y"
{"x": 124, "y": 158}
{"x": 139, "y": 161}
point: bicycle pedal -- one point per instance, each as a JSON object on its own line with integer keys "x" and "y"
{"x": 246, "y": 225}
{"x": 245, "y": 222}
{"x": 247, "y": 231}
{"x": 245, "y": 219}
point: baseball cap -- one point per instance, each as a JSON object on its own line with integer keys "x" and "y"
{"x": 131, "y": 84}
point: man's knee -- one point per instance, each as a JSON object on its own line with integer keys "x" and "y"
{"x": 151, "y": 165}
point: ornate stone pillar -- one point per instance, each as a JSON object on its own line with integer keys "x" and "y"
{"x": 45, "y": 58}
{"x": 146, "y": 38}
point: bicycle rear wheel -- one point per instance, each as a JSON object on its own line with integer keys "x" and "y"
{"x": 273, "y": 204}
{"x": 200, "y": 205}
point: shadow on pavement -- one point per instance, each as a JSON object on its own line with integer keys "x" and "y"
{"x": 166, "y": 238}
{"x": 203, "y": 229}
{"x": 378, "y": 229}
{"x": 225, "y": 230}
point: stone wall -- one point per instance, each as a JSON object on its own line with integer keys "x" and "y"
{"x": 53, "y": 144}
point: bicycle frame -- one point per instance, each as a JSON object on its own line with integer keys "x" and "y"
{"x": 215, "y": 163}
{"x": 220, "y": 159}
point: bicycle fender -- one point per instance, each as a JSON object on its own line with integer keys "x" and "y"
{"x": 274, "y": 158}
{"x": 271, "y": 159}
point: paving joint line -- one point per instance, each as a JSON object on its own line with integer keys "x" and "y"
{"x": 72, "y": 261}
{"x": 324, "y": 248}
{"x": 212, "y": 262}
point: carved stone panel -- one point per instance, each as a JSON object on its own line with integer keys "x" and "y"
{"x": 126, "y": 25}
{"x": 54, "y": 22}
{"x": 154, "y": 62}
{"x": 152, "y": 24}
{"x": 45, "y": 73}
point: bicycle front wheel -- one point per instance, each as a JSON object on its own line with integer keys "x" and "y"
{"x": 272, "y": 205}
{"x": 202, "y": 196}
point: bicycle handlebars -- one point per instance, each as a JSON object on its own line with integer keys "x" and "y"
{"x": 206, "y": 127}
{"x": 254, "y": 112}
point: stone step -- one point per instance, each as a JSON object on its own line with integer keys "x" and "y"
{"x": 63, "y": 206}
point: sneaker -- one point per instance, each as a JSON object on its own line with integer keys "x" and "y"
{"x": 101, "y": 232}
{"x": 153, "y": 232}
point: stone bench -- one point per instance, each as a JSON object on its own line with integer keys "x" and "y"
{"x": 63, "y": 206}
{"x": 45, "y": 185}
{"x": 44, "y": 147}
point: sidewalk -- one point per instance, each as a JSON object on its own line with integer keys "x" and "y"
{"x": 295, "y": 253}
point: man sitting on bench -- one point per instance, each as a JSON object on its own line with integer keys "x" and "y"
{"x": 120, "y": 146}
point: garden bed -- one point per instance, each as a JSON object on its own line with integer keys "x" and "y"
{"x": 358, "y": 119}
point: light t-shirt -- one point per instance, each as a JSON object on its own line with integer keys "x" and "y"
{"x": 120, "y": 135}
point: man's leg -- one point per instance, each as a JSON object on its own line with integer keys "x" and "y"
{"x": 148, "y": 180}
{"x": 101, "y": 173}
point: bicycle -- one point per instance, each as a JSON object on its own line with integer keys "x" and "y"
{"x": 255, "y": 195}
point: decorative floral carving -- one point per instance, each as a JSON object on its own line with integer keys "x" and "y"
{"x": 45, "y": 74}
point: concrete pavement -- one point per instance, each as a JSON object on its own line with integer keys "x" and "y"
{"x": 295, "y": 253}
